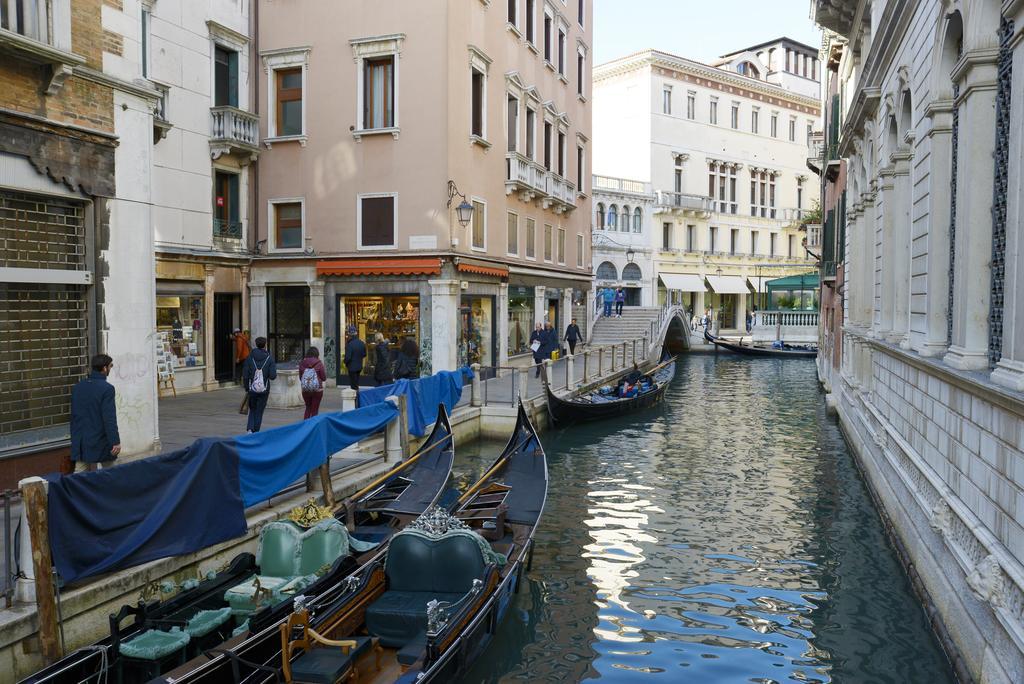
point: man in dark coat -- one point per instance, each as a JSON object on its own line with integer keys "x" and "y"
{"x": 573, "y": 335}
{"x": 549, "y": 340}
{"x": 94, "y": 436}
{"x": 262, "y": 360}
{"x": 355, "y": 352}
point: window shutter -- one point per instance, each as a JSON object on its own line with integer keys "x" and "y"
{"x": 378, "y": 219}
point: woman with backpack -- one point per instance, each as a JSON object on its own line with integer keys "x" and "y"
{"x": 312, "y": 376}
{"x": 381, "y": 361}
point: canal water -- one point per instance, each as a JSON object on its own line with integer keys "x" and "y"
{"x": 724, "y": 536}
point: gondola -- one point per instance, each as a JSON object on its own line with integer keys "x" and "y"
{"x": 598, "y": 405}
{"x": 786, "y": 351}
{"x": 434, "y": 604}
{"x": 371, "y": 517}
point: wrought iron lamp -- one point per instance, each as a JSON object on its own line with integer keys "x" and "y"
{"x": 465, "y": 210}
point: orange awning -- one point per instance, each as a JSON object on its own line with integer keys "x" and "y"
{"x": 364, "y": 267}
{"x": 481, "y": 269}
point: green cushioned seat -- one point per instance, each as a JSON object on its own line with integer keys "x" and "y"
{"x": 154, "y": 644}
{"x": 205, "y": 621}
{"x": 242, "y": 600}
{"x": 241, "y": 629}
{"x": 397, "y": 616}
{"x": 327, "y": 664}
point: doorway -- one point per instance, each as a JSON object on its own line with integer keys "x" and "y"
{"x": 288, "y": 322}
{"x": 226, "y": 315}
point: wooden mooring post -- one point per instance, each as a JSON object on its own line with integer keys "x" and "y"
{"x": 33, "y": 495}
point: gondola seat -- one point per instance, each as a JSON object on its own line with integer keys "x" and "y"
{"x": 207, "y": 628}
{"x": 150, "y": 653}
{"x": 322, "y": 660}
{"x": 419, "y": 569}
{"x": 290, "y": 559}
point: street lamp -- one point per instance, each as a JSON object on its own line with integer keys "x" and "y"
{"x": 465, "y": 210}
{"x": 630, "y": 255}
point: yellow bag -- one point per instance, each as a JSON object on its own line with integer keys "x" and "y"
{"x": 554, "y": 355}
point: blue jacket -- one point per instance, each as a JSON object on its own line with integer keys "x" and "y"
{"x": 355, "y": 352}
{"x": 548, "y": 342}
{"x": 609, "y": 295}
{"x": 93, "y": 420}
{"x": 259, "y": 358}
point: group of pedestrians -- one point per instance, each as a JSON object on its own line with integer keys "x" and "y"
{"x": 613, "y": 296}
{"x": 544, "y": 341}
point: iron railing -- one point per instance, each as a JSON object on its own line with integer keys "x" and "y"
{"x": 227, "y": 229}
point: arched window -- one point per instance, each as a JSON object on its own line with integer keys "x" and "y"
{"x": 607, "y": 271}
{"x": 600, "y": 216}
{"x": 625, "y": 218}
{"x": 632, "y": 272}
{"x": 638, "y": 218}
{"x": 613, "y": 217}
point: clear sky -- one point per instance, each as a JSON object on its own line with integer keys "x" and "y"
{"x": 697, "y": 29}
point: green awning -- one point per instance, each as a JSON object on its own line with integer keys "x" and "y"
{"x": 804, "y": 281}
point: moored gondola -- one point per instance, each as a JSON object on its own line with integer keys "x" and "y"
{"x": 650, "y": 387}
{"x": 785, "y": 351}
{"x": 438, "y": 599}
{"x": 309, "y": 554}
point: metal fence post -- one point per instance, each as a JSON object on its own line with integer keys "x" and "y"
{"x": 634, "y": 350}
{"x": 586, "y": 364}
{"x": 600, "y": 362}
{"x": 624, "y": 358}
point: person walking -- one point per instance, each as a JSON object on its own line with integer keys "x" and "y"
{"x": 537, "y": 345}
{"x": 95, "y": 440}
{"x": 620, "y": 300}
{"x": 750, "y": 322}
{"x": 407, "y": 360}
{"x": 260, "y": 369}
{"x": 572, "y": 336}
{"x": 242, "y": 349}
{"x": 355, "y": 352}
{"x": 549, "y": 340}
{"x": 608, "y": 296}
{"x": 312, "y": 376}
{"x": 381, "y": 361}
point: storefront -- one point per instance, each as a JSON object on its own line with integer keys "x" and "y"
{"x": 554, "y": 296}
{"x": 478, "y": 332}
{"x": 396, "y": 317}
{"x": 520, "y": 318}
{"x": 288, "y": 322}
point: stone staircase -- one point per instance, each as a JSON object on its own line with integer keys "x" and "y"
{"x": 635, "y": 321}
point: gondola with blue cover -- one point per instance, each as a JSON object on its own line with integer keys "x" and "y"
{"x": 781, "y": 351}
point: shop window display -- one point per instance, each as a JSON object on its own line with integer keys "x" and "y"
{"x": 396, "y": 318}
{"x": 181, "y": 317}
{"x": 476, "y": 343}
{"x": 520, "y": 319}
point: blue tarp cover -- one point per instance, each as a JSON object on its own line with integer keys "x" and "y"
{"x": 140, "y": 511}
{"x": 186, "y": 500}
{"x": 423, "y": 396}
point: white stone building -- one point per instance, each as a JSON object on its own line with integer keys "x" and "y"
{"x": 928, "y": 373}
{"x": 622, "y": 242}
{"x": 724, "y": 151}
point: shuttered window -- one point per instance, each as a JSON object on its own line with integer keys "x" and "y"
{"x": 377, "y": 227}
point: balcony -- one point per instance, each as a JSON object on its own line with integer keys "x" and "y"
{"x": 816, "y": 152}
{"x": 813, "y": 237}
{"x": 532, "y": 181}
{"x": 561, "y": 194}
{"x": 234, "y": 132}
{"x": 620, "y": 185}
{"x": 683, "y": 204}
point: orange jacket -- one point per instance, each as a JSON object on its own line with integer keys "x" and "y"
{"x": 241, "y": 347}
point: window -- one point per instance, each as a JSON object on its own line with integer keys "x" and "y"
{"x": 579, "y": 251}
{"x": 810, "y": 132}
{"x": 580, "y": 71}
{"x": 561, "y": 51}
{"x": 580, "y": 164}
{"x": 225, "y": 80}
{"x": 531, "y": 133}
{"x": 548, "y": 28}
{"x": 513, "y": 234}
{"x": 712, "y": 238}
{"x": 734, "y": 119}
{"x": 226, "y": 219}
{"x": 638, "y": 220}
{"x": 734, "y": 238}
{"x": 531, "y": 13}
{"x": 771, "y": 195}
{"x": 561, "y": 246}
{"x": 799, "y": 194}
{"x": 144, "y": 32}
{"x": 548, "y": 134}
{"x": 789, "y": 246}
{"x": 691, "y": 238}
{"x": 513, "y": 12}
{"x": 771, "y": 243}
{"x": 753, "y": 242}
{"x": 548, "y": 237}
{"x": 713, "y": 112}
{"x": 376, "y": 221}
{"x": 753, "y": 121}
{"x": 666, "y": 100}
{"x": 561, "y": 154}
{"x": 531, "y": 239}
{"x": 287, "y": 225}
{"x": 666, "y": 235}
{"x": 722, "y": 186}
{"x": 613, "y": 217}
{"x": 775, "y": 125}
{"x": 579, "y": 14}
{"x": 478, "y": 85}
{"x": 513, "y": 124}
{"x": 626, "y": 215}
{"x": 479, "y": 225}
{"x": 379, "y": 92}
{"x": 691, "y": 105}
{"x": 599, "y": 216}
{"x": 792, "y": 130}
{"x": 289, "y": 101}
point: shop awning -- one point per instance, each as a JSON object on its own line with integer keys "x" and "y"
{"x": 684, "y": 282}
{"x": 727, "y": 284}
{"x": 481, "y": 268}
{"x": 758, "y": 285}
{"x": 364, "y": 267}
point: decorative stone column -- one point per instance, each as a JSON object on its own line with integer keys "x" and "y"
{"x": 316, "y": 315}
{"x": 502, "y": 314}
{"x": 245, "y": 297}
{"x": 975, "y": 175}
{"x": 209, "y": 372}
{"x": 866, "y": 273}
{"x": 444, "y": 324}
{"x": 540, "y": 304}
{"x": 887, "y": 181}
{"x": 940, "y": 134}
{"x": 258, "y": 309}
{"x": 900, "y": 252}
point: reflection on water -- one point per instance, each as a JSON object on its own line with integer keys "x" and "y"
{"x": 724, "y": 536}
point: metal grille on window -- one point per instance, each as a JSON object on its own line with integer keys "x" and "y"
{"x": 995, "y": 314}
{"x": 952, "y": 215}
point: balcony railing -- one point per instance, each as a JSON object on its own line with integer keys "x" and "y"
{"x": 227, "y": 229}
{"x": 816, "y": 151}
{"x": 619, "y": 184}
{"x": 814, "y": 236}
{"x": 233, "y": 131}
{"x": 680, "y": 201}
{"x": 533, "y": 181}
{"x": 561, "y": 191}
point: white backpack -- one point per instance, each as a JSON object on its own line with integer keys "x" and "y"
{"x": 310, "y": 381}
{"x": 258, "y": 384}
